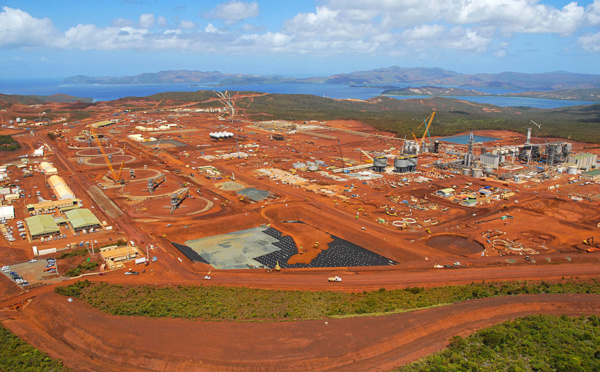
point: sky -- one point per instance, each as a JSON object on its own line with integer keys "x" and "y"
{"x": 55, "y": 39}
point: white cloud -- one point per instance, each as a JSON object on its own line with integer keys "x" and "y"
{"x": 210, "y": 28}
{"x": 122, "y": 22}
{"x": 20, "y": 29}
{"x": 147, "y": 20}
{"x": 593, "y": 13}
{"x": 526, "y": 16}
{"x": 187, "y": 25}
{"x": 438, "y": 36}
{"x": 590, "y": 42}
{"x": 390, "y": 27}
{"x": 235, "y": 11}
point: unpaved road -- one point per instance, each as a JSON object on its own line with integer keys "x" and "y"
{"x": 88, "y": 340}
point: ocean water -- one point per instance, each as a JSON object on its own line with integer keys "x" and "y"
{"x": 464, "y": 139}
{"x": 107, "y": 92}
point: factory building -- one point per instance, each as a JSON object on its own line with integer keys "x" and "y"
{"x": 47, "y": 168}
{"x": 583, "y": 161}
{"x": 103, "y": 123}
{"x": 60, "y": 188}
{"x": 82, "y": 219}
{"x": 41, "y": 226}
{"x": 50, "y": 205}
{"x": 593, "y": 175}
{"x": 7, "y": 212}
{"x": 490, "y": 159}
{"x": 445, "y": 193}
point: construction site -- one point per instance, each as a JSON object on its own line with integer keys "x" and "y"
{"x": 186, "y": 194}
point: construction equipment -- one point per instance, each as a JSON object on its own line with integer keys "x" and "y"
{"x": 341, "y": 155}
{"x": 158, "y": 143}
{"x": 153, "y": 183}
{"x": 367, "y": 155}
{"x": 589, "y": 241}
{"x": 178, "y": 198}
{"x": 113, "y": 174}
{"x": 427, "y": 123}
{"x": 277, "y": 267}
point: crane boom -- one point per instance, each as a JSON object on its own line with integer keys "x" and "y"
{"x": 113, "y": 174}
{"x": 426, "y": 132}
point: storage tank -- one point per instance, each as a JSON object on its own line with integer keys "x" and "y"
{"x": 379, "y": 163}
{"x": 401, "y": 164}
{"x": 466, "y": 171}
{"x": 477, "y": 172}
{"x": 488, "y": 169}
{"x": 413, "y": 161}
{"x": 313, "y": 167}
{"x": 572, "y": 169}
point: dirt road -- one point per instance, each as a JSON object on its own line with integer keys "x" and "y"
{"x": 88, "y": 340}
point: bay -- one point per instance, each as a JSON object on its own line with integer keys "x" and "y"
{"x": 109, "y": 92}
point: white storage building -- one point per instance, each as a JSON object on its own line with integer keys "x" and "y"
{"x": 60, "y": 188}
{"x": 7, "y": 212}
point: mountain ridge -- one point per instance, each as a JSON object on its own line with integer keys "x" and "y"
{"x": 547, "y": 81}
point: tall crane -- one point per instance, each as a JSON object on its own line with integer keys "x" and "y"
{"x": 113, "y": 174}
{"x": 341, "y": 154}
{"x": 427, "y": 122}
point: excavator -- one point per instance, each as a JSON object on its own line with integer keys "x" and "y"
{"x": 590, "y": 241}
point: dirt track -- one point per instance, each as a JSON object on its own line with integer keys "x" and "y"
{"x": 88, "y": 340}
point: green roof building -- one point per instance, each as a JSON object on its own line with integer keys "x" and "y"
{"x": 41, "y": 225}
{"x": 82, "y": 219}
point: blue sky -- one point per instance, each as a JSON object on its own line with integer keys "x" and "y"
{"x": 50, "y": 39}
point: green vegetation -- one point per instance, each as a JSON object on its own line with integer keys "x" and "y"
{"x": 580, "y": 123}
{"x": 17, "y": 355}
{"x": 220, "y": 303}
{"x": 7, "y": 143}
{"x": 453, "y": 116}
{"x": 73, "y": 253}
{"x": 35, "y": 99}
{"x": 83, "y": 267}
{"x": 533, "y": 343}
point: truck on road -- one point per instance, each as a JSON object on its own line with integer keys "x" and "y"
{"x": 335, "y": 279}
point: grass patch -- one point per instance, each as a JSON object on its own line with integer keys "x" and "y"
{"x": 246, "y": 304}
{"x": 532, "y": 343}
{"x": 17, "y": 355}
{"x": 82, "y": 268}
{"x": 73, "y": 253}
{"x": 7, "y": 143}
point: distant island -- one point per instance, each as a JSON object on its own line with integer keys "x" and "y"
{"x": 549, "y": 81}
{"x": 590, "y": 95}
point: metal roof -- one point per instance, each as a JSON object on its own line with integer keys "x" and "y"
{"x": 82, "y": 218}
{"x": 103, "y": 123}
{"x": 42, "y": 224}
{"x": 594, "y": 172}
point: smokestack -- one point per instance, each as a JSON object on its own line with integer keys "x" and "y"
{"x": 528, "y": 136}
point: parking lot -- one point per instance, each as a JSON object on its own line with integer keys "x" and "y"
{"x": 31, "y": 272}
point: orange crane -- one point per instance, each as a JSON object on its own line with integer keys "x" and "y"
{"x": 113, "y": 174}
{"x": 426, "y": 132}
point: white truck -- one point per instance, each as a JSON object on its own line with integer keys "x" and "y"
{"x": 335, "y": 279}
